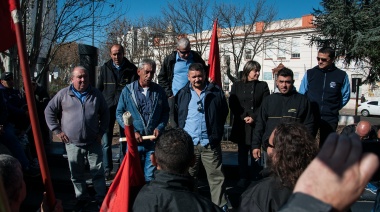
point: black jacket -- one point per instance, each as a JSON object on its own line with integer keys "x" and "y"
{"x": 216, "y": 111}
{"x": 278, "y": 108}
{"x": 165, "y": 77}
{"x": 300, "y": 202}
{"x": 266, "y": 195}
{"x": 171, "y": 192}
{"x": 245, "y": 100}
{"x": 111, "y": 82}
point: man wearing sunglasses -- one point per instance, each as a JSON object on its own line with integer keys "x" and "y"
{"x": 328, "y": 90}
{"x": 173, "y": 73}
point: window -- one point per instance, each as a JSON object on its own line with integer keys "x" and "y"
{"x": 281, "y": 48}
{"x": 373, "y": 103}
{"x": 248, "y": 54}
{"x": 269, "y": 48}
{"x": 296, "y": 47}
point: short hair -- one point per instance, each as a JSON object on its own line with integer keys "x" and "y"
{"x": 119, "y": 45}
{"x": 197, "y": 67}
{"x": 294, "y": 149}
{"x": 328, "y": 50}
{"x": 285, "y": 72}
{"x": 147, "y": 61}
{"x": 183, "y": 42}
{"x": 11, "y": 174}
{"x": 78, "y": 67}
{"x": 248, "y": 67}
{"x": 174, "y": 151}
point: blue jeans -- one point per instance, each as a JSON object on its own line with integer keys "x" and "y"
{"x": 76, "y": 156}
{"x": 146, "y": 148}
{"x": 10, "y": 140}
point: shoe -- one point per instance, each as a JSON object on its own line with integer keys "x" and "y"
{"x": 107, "y": 175}
{"x": 31, "y": 172}
{"x": 225, "y": 208}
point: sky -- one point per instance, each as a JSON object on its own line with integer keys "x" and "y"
{"x": 286, "y": 8}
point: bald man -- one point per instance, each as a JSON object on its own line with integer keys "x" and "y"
{"x": 363, "y": 129}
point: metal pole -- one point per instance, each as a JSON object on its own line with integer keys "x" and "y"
{"x": 32, "y": 109}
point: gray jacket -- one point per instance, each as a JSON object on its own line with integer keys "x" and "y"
{"x": 82, "y": 123}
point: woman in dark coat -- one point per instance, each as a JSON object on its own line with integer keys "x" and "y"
{"x": 245, "y": 99}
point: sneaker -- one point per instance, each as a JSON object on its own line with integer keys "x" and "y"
{"x": 225, "y": 208}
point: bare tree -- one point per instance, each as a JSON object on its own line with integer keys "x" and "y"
{"x": 243, "y": 27}
{"x": 190, "y": 17}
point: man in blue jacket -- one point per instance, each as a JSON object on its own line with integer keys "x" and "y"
{"x": 328, "y": 90}
{"x": 202, "y": 111}
{"x": 147, "y": 103}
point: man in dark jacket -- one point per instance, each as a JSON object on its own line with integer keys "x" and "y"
{"x": 286, "y": 106}
{"x": 173, "y": 73}
{"x": 113, "y": 77}
{"x": 202, "y": 111}
{"x": 328, "y": 90}
{"x": 172, "y": 188}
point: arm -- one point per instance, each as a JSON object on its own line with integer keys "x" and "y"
{"x": 104, "y": 115}
{"x": 258, "y": 132}
{"x": 164, "y": 113}
{"x": 309, "y": 117}
{"x": 264, "y": 94}
{"x": 304, "y": 84}
{"x": 163, "y": 78}
{"x": 234, "y": 102}
{"x": 121, "y": 107}
{"x": 100, "y": 83}
{"x": 51, "y": 113}
{"x": 345, "y": 92}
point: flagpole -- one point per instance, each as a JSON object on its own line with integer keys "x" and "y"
{"x": 16, "y": 16}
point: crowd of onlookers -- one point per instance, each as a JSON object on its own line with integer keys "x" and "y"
{"x": 178, "y": 125}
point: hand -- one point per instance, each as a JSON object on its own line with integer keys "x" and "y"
{"x": 156, "y": 133}
{"x": 63, "y": 137}
{"x": 45, "y": 208}
{"x": 248, "y": 120}
{"x": 338, "y": 175}
{"x": 138, "y": 137}
{"x": 256, "y": 153}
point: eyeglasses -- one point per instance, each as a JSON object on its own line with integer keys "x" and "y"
{"x": 200, "y": 107}
{"x": 270, "y": 145}
{"x": 184, "y": 52}
{"x": 322, "y": 59}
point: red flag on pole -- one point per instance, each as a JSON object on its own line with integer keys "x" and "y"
{"x": 130, "y": 177}
{"x": 7, "y": 35}
{"x": 214, "y": 59}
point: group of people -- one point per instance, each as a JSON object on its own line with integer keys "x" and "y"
{"x": 279, "y": 127}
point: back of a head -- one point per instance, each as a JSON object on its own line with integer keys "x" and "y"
{"x": 174, "y": 151}
{"x": 183, "y": 43}
{"x": 12, "y": 177}
{"x": 294, "y": 149}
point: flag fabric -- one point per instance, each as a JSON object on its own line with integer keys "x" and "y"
{"x": 214, "y": 59}
{"x": 8, "y": 34}
{"x": 128, "y": 180}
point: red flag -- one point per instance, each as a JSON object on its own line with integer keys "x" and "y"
{"x": 8, "y": 34}
{"x": 128, "y": 180}
{"x": 214, "y": 59}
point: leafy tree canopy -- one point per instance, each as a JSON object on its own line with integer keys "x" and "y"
{"x": 352, "y": 28}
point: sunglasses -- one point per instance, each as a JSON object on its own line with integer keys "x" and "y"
{"x": 184, "y": 52}
{"x": 322, "y": 59}
{"x": 270, "y": 145}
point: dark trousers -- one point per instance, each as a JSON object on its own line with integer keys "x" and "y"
{"x": 325, "y": 128}
{"x": 245, "y": 171}
{"x": 172, "y": 122}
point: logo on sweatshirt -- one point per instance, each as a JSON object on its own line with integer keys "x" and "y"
{"x": 332, "y": 84}
{"x": 292, "y": 110}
